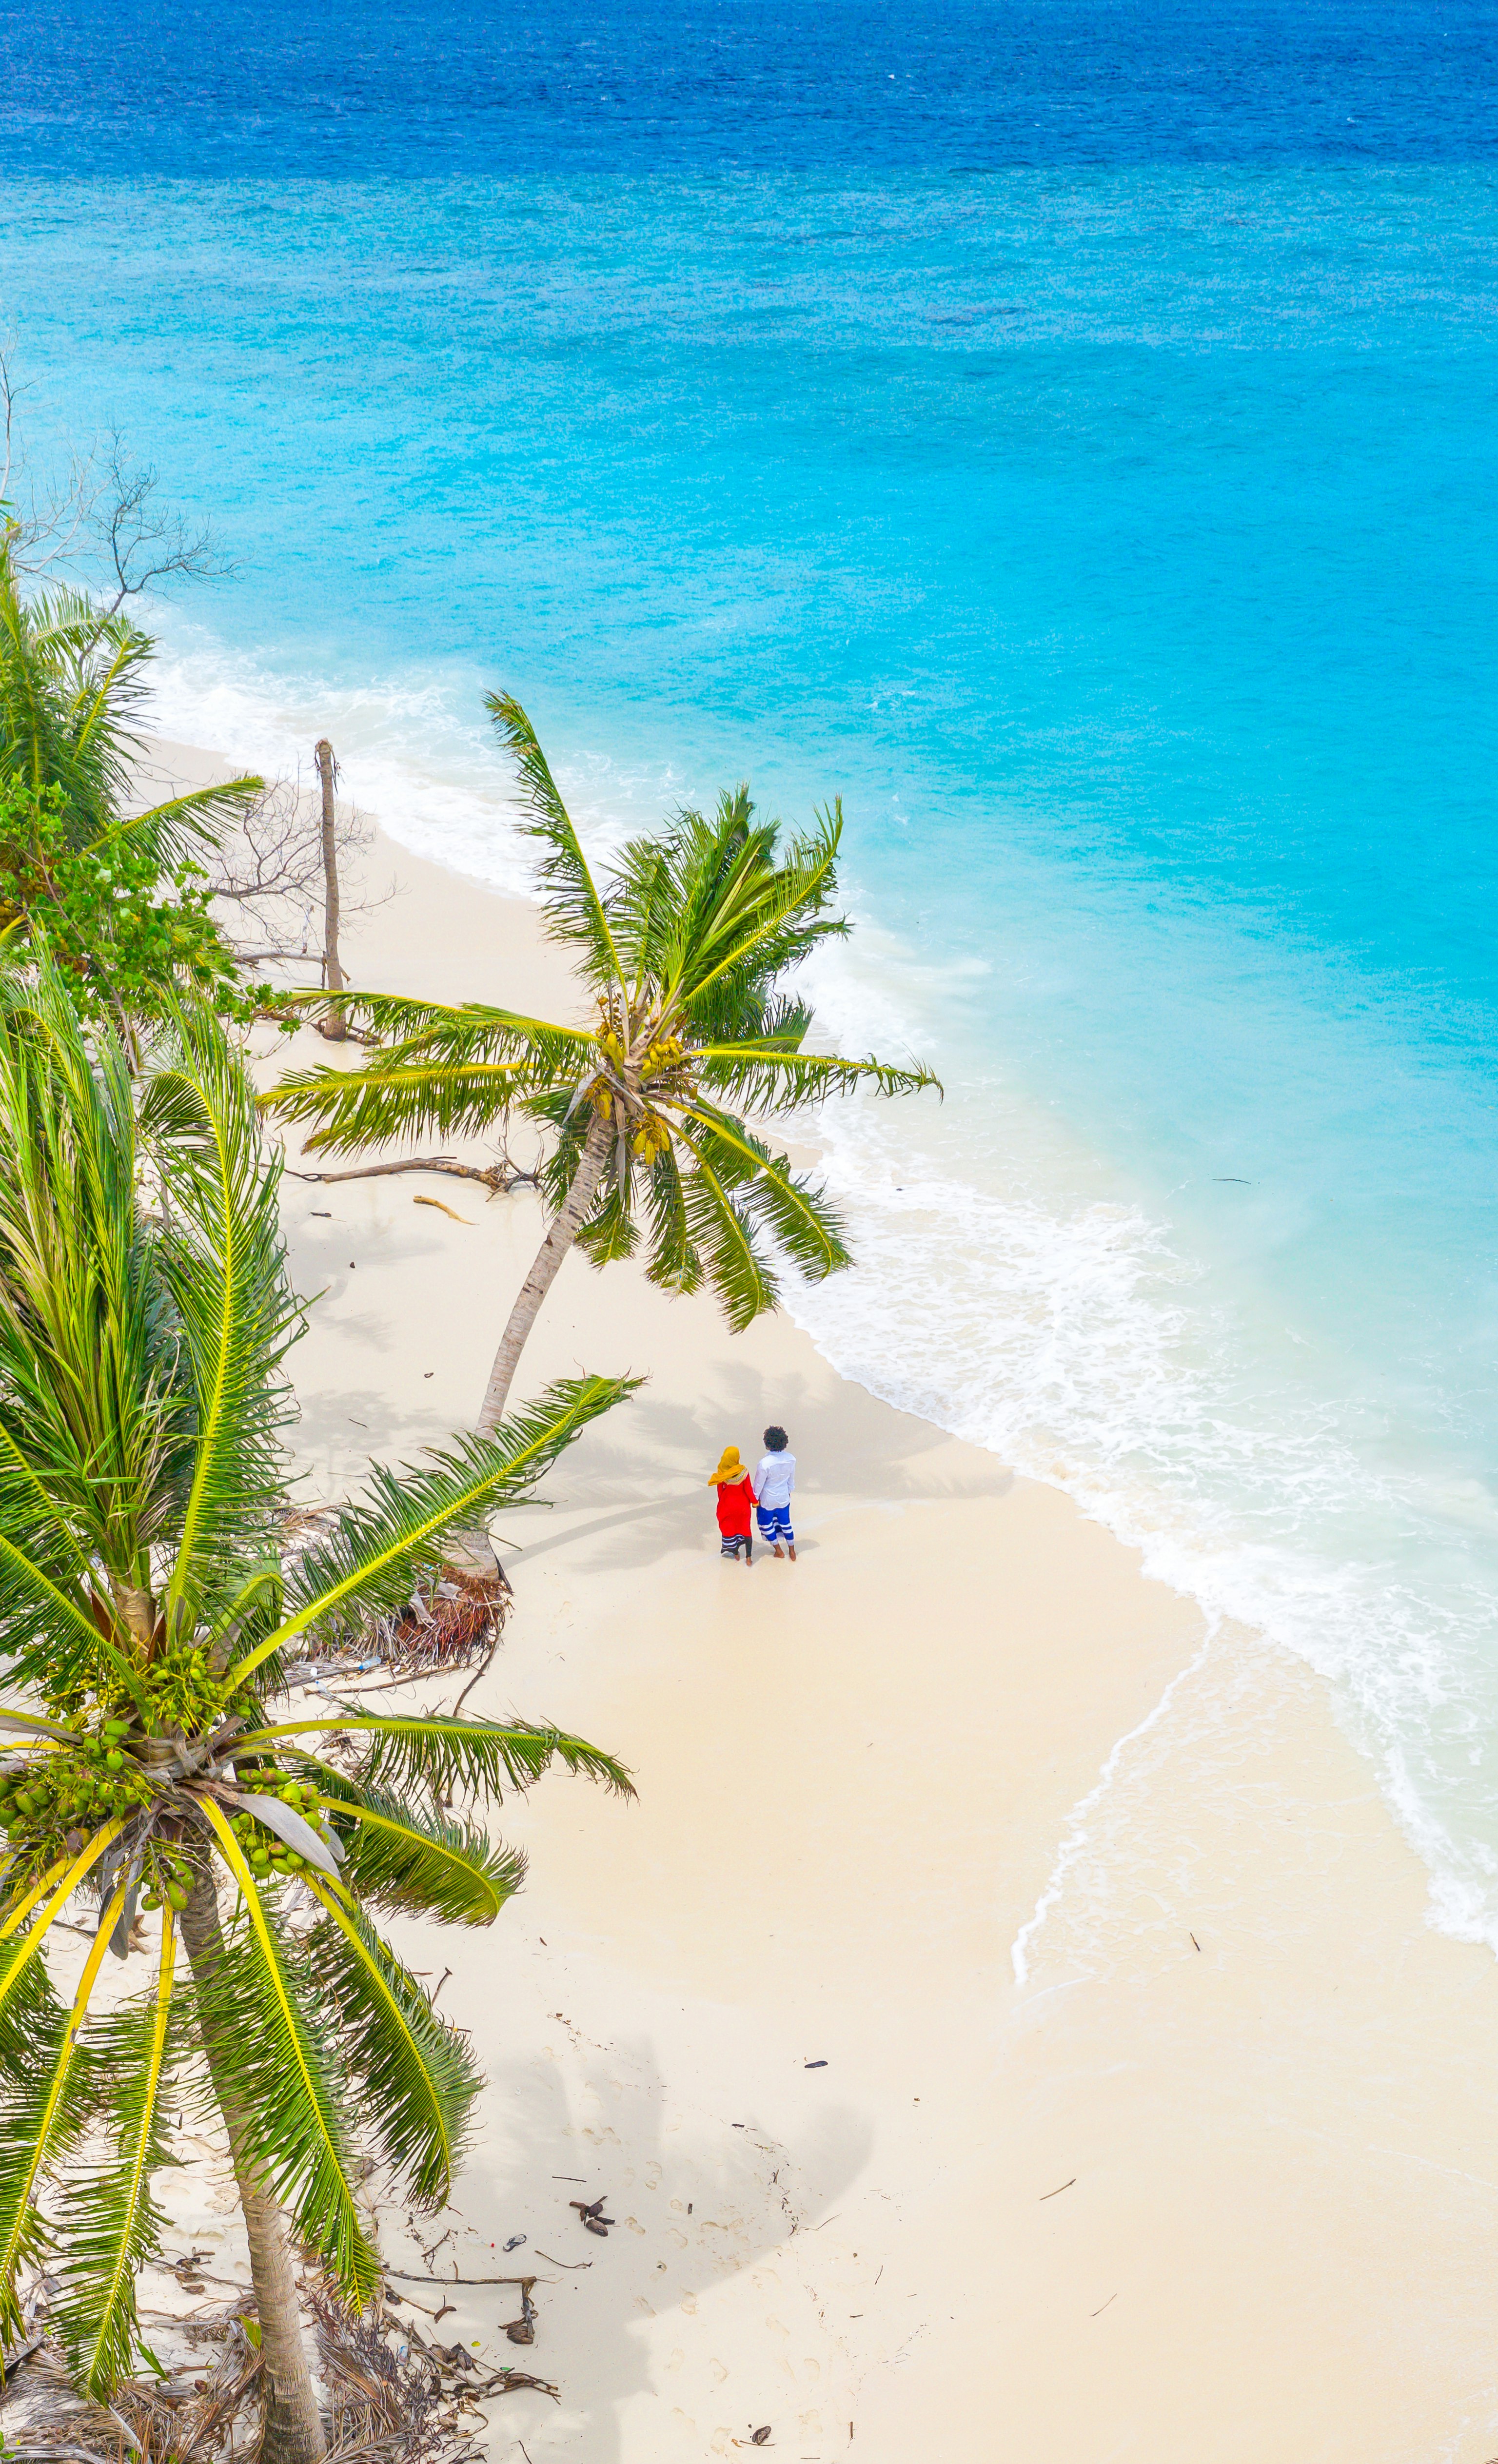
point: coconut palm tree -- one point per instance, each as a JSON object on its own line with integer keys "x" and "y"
{"x": 684, "y": 951}
{"x": 145, "y": 1618}
{"x": 73, "y": 688}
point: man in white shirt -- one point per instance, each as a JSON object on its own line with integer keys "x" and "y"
{"x": 772, "y": 1484}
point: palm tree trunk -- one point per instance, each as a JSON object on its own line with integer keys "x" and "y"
{"x": 293, "y": 2432}
{"x": 333, "y": 1024}
{"x": 561, "y": 1233}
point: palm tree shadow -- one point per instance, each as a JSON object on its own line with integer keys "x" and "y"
{"x": 695, "y": 2200}
{"x": 643, "y": 1470}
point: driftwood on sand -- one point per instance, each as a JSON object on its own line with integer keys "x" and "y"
{"x": 496, "y": 1178}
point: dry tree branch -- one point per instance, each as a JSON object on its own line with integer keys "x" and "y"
{"x": 269, "y": 871}
{"x": 95, "y": 509}
{"x": 499, "y": 1179}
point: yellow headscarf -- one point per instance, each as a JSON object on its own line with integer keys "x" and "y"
{"x": 729, "y": 1466}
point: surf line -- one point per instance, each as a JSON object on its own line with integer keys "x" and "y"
{"x": 1074, "y": 1839}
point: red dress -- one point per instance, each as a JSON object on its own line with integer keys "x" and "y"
{"x": 735, "y": 1500}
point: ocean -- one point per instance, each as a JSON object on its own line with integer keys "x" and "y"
{"x": 1069, "y": 435}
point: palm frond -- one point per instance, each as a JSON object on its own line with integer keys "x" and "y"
{"x": 722, "y": 1235}
{"x": 92, "y": 1437}
{"x": 114, "y": 2223}
{"x": 795, "y": 1211}
{"x": 417, "y": 2077}
{"x": 610, "y": 1231}
{"x": 417, "y": 1864}
{"x": 453, "y": 1068}
{"x": 764, "y": 1079}
{"x": 398, "y": 1097}
{"x": 453, "y": 1030}
{"x": 676, "y": 1265}
{"x": 481, "y": 1758}
{"x": 767, "y": 917}
{"x": 182, "y": 827}
{"x": 27, "y": 1727}
{"x": 256, "y": 2002}
{"x": 223, "y": 1262}
{"x": 70, "y": 681}
{"x": 574, "y": 911}
{"x": 383, "y": 1541}
{"x": 53, "y": 1892}
{"x": 45, "y": 2120}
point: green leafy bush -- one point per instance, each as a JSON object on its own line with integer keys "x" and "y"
{"x": 129, "y": 926}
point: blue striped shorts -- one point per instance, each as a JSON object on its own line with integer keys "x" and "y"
{"x": 775, "y": 1523}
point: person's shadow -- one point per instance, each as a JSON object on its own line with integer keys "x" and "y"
{"x": 643, "y": 1468}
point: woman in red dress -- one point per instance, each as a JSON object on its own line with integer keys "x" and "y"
{"x": 735, "y": 1501}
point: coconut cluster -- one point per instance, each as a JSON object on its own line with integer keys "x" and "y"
{"x": 52, "y": 1802}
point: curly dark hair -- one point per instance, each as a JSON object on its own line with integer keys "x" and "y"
{"x": 776, "y": 1440}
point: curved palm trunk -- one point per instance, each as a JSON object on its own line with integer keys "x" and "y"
{"x": 561, "y": 1233}
{"x": 293, "y": 2432}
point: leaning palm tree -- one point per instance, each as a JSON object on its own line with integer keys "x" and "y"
{"x": 72, "y": 692}
{"x": 145, "y": 1618}
{"x": 684, "y": 951}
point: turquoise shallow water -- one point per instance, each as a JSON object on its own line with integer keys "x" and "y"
{"x": 1118, "y": 538}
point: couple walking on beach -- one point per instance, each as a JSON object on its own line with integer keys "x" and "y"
{"x": 769, "y": 1491}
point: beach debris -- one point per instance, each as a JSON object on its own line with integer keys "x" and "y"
{"x": 515, "y": 2242}
{"x": 451, "y": 1621}
{"x": 1103, "y": 2305}
{"x": 499, "y": 1179}
{"x": 1194, "y": 1945}
{"x": 593, "y": 2216}
{"x": 814, "y": 2066}
{"x": 422, "y": 1201}
{"x": 522, "y": 2330}
{"x": 761, "y": 2437}
{"x": 438, "y": 2283}
{"x": 1056, "y": 2192}
{"x": 570, "y": 2264}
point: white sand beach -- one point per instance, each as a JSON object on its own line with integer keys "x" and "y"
{"x": 1216, "y": 2184}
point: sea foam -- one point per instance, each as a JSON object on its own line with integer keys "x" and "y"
{"x": 997, "y": 1294}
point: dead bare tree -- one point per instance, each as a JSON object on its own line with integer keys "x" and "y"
{"x": 271, "y": 872}
{"x": 93, "y": 513}
{"x": 333, "y": 1023}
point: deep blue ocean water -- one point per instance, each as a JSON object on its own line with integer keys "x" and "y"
{"x": 1069, "y": 434}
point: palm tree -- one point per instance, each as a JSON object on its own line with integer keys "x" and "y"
{"x": 684, "y": 951}
{"x": 145, "y": 1619}
{"x": 73, "y": 687}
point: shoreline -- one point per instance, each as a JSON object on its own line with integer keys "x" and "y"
{"x": 1084, "y": 1336}
{"x": 1221, "y": 2178}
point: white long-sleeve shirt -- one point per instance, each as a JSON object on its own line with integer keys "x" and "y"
{"x": 774, "y": 1479}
